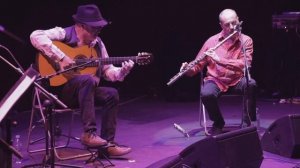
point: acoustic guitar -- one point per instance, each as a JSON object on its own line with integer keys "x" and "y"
{"x": 86, "y": 58}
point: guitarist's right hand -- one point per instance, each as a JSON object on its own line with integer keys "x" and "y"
{"x": 66, "y": 62}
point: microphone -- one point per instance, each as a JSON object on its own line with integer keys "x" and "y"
{"x": 238, "y": 26}
{"x": 180, "y": 129}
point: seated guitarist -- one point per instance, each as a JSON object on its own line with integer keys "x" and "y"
{"x": 83, "y": 89}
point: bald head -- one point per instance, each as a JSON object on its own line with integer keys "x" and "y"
{"x": 227, "y": 14}
{"x": 228, "y": 20}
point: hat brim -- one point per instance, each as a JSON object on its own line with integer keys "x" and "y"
{"x": 100, "y": 23}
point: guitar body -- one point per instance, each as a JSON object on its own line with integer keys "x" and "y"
{"x": 85, "y": 57}
{"x": 46, "y": 66}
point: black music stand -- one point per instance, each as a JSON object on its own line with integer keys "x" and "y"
{"x": 10, "y": 99}
{"x": 28, "y": 78}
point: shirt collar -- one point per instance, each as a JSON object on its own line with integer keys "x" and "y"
{"x": 94, "y": 42}
{"x": 221, "y": 36}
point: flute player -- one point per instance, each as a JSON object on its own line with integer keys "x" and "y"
{"x": 226, "y": 70}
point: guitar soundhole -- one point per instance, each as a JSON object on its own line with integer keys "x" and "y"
{"x": 80, "y": 59}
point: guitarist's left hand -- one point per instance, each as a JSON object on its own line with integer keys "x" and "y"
{"x": 126, "y": 67}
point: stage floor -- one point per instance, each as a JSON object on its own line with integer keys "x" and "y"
{"x": 146, "y": 125}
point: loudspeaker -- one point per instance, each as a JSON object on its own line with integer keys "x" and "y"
{"x": 282, "y": 137}
{"x": 235, "y": 149}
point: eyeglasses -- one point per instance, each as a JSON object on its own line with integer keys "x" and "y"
{"x": 92, "y": 30}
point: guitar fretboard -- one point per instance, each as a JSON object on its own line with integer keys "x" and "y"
{"x": 105, "y": 61}
{"x": 116, "y": 60}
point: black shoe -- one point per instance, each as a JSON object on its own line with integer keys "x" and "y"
{"x": 215, "y": 131}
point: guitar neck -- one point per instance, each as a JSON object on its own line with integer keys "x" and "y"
{"x": 104, "y": 61}
{"x": 116, "y": 60}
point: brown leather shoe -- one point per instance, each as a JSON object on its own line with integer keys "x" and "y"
{"x": 91, "y": 139}
{"x": 116, "y": 150}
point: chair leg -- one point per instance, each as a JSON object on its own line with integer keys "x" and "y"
{"x": 204, "y": 123}
{"x": 202, "y": 110}
{"x": 36, "y": 99}
{"x": 258, "y": 119}
{"x": 202, "y": 118}
{"x": 246, "y": 120}
{"x": 69, "y": 135}
{"x": 49, "y": 158}
{"x": 37, "y": 105}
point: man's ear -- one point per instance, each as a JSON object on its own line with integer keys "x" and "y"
{"x": 221, "y": 25}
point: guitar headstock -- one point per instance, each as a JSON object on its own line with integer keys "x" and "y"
{"x": 144, "y": 58}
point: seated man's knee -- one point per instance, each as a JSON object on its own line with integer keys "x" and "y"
{"x": 207, "y": 95}
{"x": 88, "y": 80}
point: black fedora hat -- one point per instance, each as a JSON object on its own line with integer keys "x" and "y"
{"x": 89, "y": 15}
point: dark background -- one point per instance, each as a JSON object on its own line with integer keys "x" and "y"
{"x": 173, "y": 30}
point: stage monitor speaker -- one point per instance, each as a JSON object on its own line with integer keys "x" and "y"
{"x": 235, "y": 149}
{"x": 282, "y": 137}
{"x": 169, "y": 162}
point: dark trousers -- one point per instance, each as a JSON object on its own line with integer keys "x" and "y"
{"x": 210, "y": 93}
{"x": 82, "y": 91}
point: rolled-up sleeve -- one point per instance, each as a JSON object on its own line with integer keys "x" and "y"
{"x": 42, "y": 40}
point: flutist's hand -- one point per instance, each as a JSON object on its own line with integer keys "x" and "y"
{"x": 211, "y": 53}
{"x": 183, "y": 66}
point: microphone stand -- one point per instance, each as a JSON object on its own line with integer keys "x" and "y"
{"x": 247, "y": 77}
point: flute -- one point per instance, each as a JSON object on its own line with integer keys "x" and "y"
{"x": 196, "y": 61}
